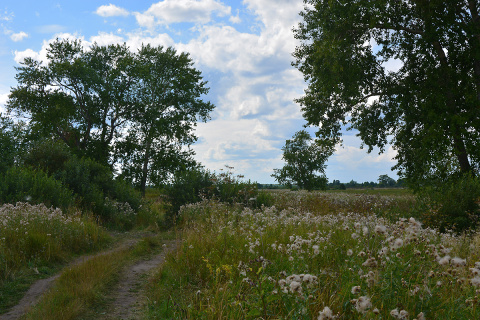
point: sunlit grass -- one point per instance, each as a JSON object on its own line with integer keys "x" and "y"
{"x": 325, "y": 258}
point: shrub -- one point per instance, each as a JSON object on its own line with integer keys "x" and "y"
{"x": 452, "y": 204}
{"x": 35, "y": 186}
{"x": 187, "y": 187}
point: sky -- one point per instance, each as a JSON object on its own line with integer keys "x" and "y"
{"x": 243, "y": 49}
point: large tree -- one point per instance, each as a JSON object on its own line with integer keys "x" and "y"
{"x": 121, "y": 108}
{"x": 168, "y": 94}
{"x": 305, "y": 162}
{"x": 428, "y": 109}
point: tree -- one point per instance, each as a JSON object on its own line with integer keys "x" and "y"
{"x": 385, "y": 181}
{"x": 120, "y": 108}
{"x": 82, "y": 97}
{"x": 168, "y": 104}
{"x": 428, "y": 109}
{"x": 304, "y": 160}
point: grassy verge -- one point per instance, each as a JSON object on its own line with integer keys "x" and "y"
{"x": 35, "y": 241}
{"x": 295, "y": 263}
{"x": 82, "y": 289}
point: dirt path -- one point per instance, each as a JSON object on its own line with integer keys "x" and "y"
{"x": 128, "y": 296}
{"x": 127, "y": 281}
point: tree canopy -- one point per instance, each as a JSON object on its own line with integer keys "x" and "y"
{"x": 305, "y": 162}
{"x": 428, "y": 108}
{"x": 132, "y": 110}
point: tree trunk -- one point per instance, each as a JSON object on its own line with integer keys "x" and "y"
{"x": 146, "y": 159}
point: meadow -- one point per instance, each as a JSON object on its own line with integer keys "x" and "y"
{"x": 317, "y": 255}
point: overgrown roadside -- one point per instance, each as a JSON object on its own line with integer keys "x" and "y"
{"x": 82, "y": 288}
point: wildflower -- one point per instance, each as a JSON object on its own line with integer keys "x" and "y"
{"x": 380, "y": 229}
{"x": 349, "y": 252}
{"x": 421, "y": 316}
{"x": 325, "y": 314}
{"x": 475, "y": 281}
{"x": 444, "y": 261}
{"x": 457, "y": 262}
{"x": 363, "y": 304}
{"x": 376, "y": 311}
{"x": 295, "y": 287}
{"x": 398, "y": 243}
{"x": 356, "y": 289}
{"x": 316, "y": 250}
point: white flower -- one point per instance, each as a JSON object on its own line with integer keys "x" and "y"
{"x": 380, "y": 229}
{"x": 444, "y": 261}
{"x": 475, "y": 281}
{"x": 457, "y": 262}
{"x": 356, "y": 289}
{"x": 295, "y": 287}
{"x": 363, "y": 304}
{"x": 325, "y": 314}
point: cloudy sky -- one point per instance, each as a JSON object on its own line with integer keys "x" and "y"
{"x": 243, "y": 49}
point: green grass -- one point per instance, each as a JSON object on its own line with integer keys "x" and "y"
{"x": 82, "y": 290}
{"x": 36, "y": 238}
{"x": 293, "y": 261}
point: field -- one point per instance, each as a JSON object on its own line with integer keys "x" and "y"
{"x": 317, "y": 256}
{"x": 355, "y": 254}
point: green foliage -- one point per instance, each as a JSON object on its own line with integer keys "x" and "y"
{"x": 188, "y": 186}
{"x": 303, "y": 160}
{"x": 48, "y": 156}
{"x": 12, "y": 142}
{"x": 194, "y": 185}
{"x": 231, "y": 189}
{"x": 19, "y": 184}
{"x": 452, "y": 204}
{"x": 114, "y": 201}
{"x": 122, "y": 109}
{"x": 427, "y": 108}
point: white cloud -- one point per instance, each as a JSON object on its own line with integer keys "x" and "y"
{"x": 18, "y": 36}
{"x": 19, "y": 56}
{"x": 173, "y": 11}
{"x": 111, "y": 11}
{"x": 104, "y": 39}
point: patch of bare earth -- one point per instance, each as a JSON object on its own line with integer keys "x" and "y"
{"x": 128, "y": 296}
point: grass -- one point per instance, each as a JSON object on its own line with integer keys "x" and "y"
{"x": 35, "y": 241}
{"x": 82, "y": 290}
{"x": 317, "y": 255}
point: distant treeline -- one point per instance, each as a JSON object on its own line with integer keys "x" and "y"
{"x": 384, "y": 181}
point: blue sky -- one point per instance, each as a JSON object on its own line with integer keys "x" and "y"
{"x": 243, "y": 49}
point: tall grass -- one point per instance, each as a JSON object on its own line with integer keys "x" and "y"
{"x": 35, "y": 235}
{"x": 337, "y": 259}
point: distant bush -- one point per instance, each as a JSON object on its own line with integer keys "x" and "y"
{"x": 231, "y": 189}
{"x": 20, "y": 184}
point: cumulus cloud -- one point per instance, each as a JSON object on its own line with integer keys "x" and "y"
{"x": 18, "y": 36}
{"x": 173, "y": 11}
{"x": 111, "y": 11}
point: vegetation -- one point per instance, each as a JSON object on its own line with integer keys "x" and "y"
{"x": 427, "y": 109}
{"x": 118, "y": 108}
{"x": 34, "y": 237}
{"x": 304, "y": 160}
{"x": 341, "y": 261}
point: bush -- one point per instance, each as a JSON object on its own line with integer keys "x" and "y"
{"x": 187, "y": 187}
{"x": 452, "y": 204}
{"x": 100, "y": 193}
{"x": 19, "y": 184}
